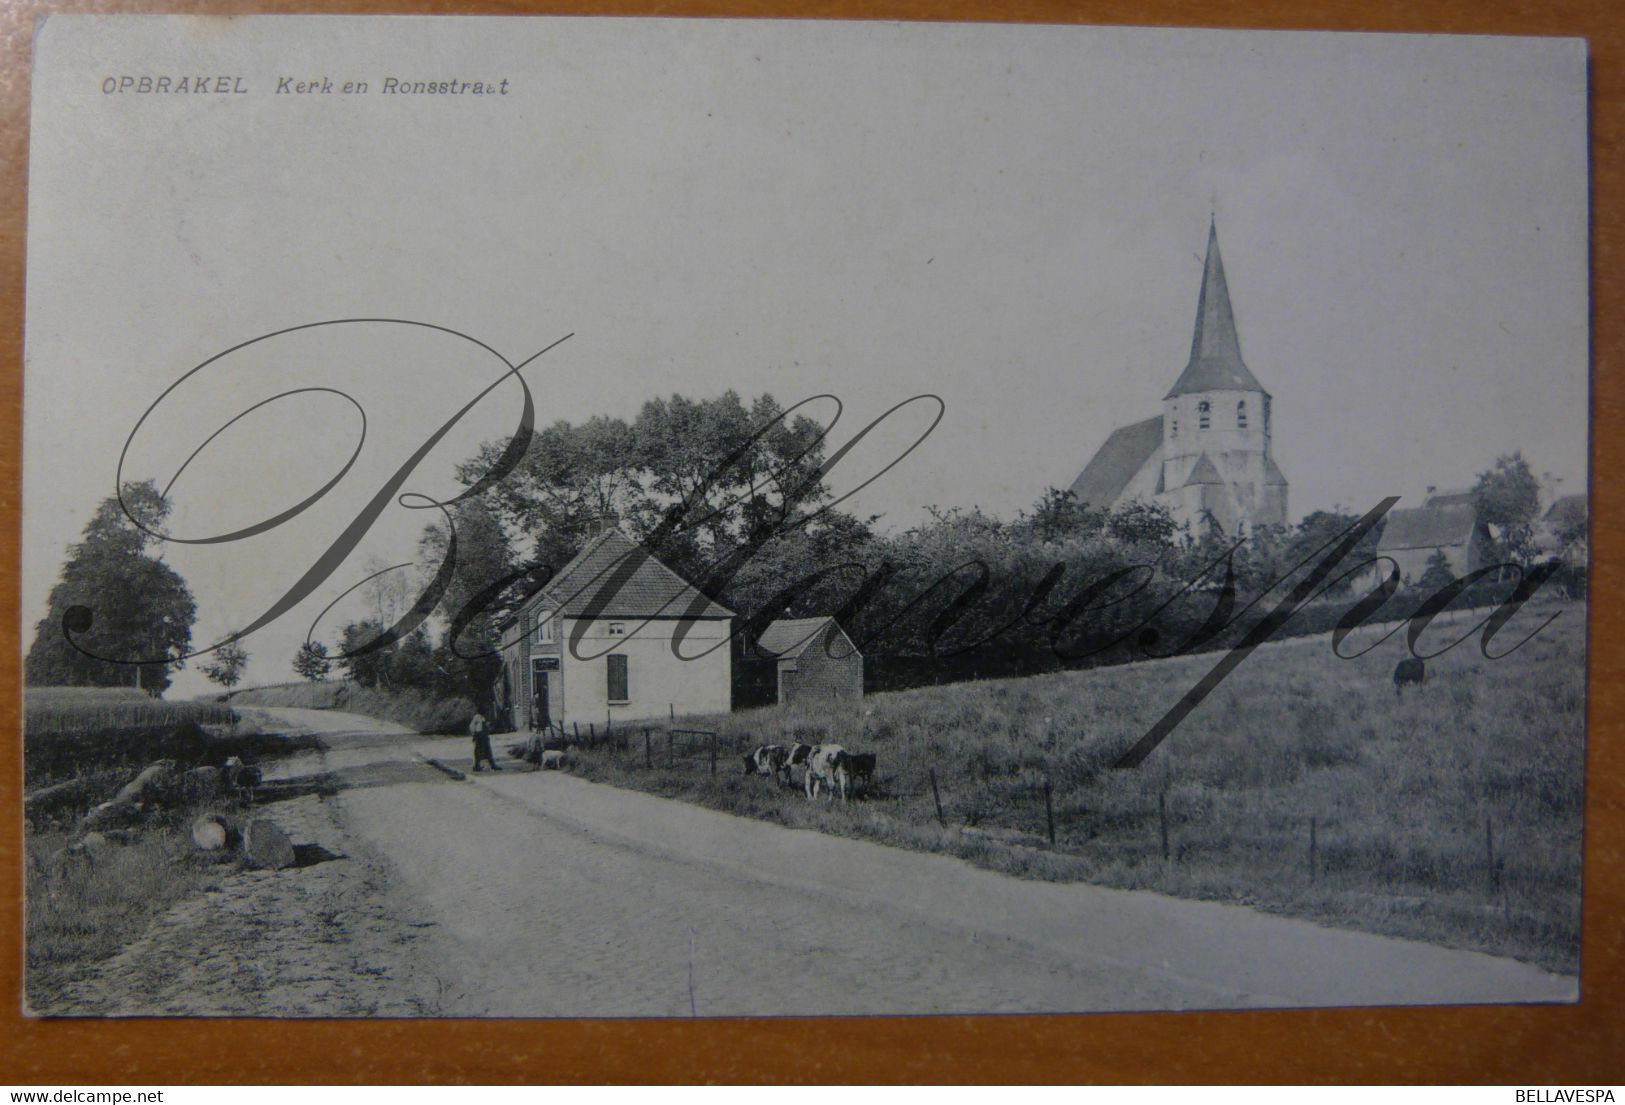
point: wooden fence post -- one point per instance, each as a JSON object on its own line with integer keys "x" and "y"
{"x": 648, "y": 749}
{"x": 576, "y": 725}
{"x": 1312, "y": 849}
{"x": 1049, "y": 812}
{"x": 713, "y": 754}
{"x": 672, "y": 706}
{"x": 592, "y": 734}
{"x": 1162, "y": 821}
{"x": 937, "y": 795}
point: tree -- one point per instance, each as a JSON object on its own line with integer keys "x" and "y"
{"x": 229, "y": 661}
{"x": 311, "y": 662}
{"x": 369, "y": 668}
{"x": 129, "y": 614}
{"x": 1140, "y": 523}
{"x": 1058, "y": 515}
{"x": 1507, "y": 498}
{"x": 1437, "y": 575}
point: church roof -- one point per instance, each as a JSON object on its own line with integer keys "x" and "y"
{"x": 1215, "y": 363}
{"x": 633, "y": 582}
{"x": 1114, "y": 463}
{"x": 1429, "y": 527}
{"x": 1203, "y": 472}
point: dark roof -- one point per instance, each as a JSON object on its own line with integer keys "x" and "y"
{"x": 1569, "y": 506}
{"x": 1273, "y": 476}
{"x": 634, "y": 583}
{"x": 1203, "y": 472}
{"x": 1426, "y": 527}
{"x": 1450, "y": 498}
{"x": 1215, "y": 363}
{"x": 1114, "y": 464}
{"x": 788, "y": 638}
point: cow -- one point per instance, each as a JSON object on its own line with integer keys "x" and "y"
{"x": 1412, "y": 670}
{"x": 861, "y": 766}
{"x": 769, "y": 759}
{"x": 827, "y": 763}
{"x": 240, "y": 777}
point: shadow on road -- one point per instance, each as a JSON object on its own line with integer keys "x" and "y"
{"x": 382, "y": 774}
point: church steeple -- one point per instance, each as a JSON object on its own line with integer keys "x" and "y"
{"x": 1215, "y": 363}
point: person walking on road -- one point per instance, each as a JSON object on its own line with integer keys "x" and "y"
{"x": 480, "y": 730}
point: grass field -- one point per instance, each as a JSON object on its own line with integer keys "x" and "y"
{"x": 415, "y": 709}
{"x": 1303, "y": 784}
{"x": 80, "y": 745}
{"x": 84, "y": 907}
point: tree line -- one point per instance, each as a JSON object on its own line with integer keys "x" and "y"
{"x": 733, "y": 495}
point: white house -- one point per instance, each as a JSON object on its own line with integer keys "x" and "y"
{"x": 626, "y": 664}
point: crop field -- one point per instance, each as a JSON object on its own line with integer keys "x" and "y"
{"x": 70, "y": 711}
{"x": 71, "y": 730}
{"x": 1302, "y": 784}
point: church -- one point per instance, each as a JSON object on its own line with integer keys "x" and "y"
{"x": 1206, "y": 457}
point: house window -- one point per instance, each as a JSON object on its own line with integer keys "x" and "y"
{"x": 1175, "y": 431}
{"x": 1203, "y": 415}
{"x": 618, "y": 679}
{"x": 544, "y": 629}
{"x": 617, "y": 629}
{"x": 1241, "y": 415}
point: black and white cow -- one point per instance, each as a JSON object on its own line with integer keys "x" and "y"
{"x": 769, "y": 759}
{"x": 827, "y": 764}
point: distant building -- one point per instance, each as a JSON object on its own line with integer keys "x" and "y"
{"x": 1412, "y": 537}
{"x": 817, "y": 661}
{"x": 632, "y": 671}
{"x": 1207, "y": 456}
{"x": 1563, "y": 531}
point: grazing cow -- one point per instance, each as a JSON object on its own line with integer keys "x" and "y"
{"x": 1409, "y": 671}
{"x": 240, "y": 777}
{"x": 861, "y": 766}
{"x": 795, "y": 757}
{"x": 769, "y": 759}
{"x": 827, "y": 763}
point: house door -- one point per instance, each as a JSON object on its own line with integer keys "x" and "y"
{"x": 541, "y": 714}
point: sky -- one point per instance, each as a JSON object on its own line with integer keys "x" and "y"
{"x": 1010, "y": 219}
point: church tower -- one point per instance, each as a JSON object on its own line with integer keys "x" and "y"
{"x": 1216, "y": 461}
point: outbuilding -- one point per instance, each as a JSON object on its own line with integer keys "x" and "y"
{"x": 817, "y": 661}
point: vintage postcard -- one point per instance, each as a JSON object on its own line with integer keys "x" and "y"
{"x": 570, "y": 517}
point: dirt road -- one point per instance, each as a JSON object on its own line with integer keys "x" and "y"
{"x": 538, "y": 894}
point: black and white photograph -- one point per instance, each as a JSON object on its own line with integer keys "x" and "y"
{"x": 653, "y": 518}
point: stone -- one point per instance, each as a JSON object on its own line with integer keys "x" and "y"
{"x": 211, "y": 832}
{"x": 266, "y": 845}
{"x": 202, "y": 783}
